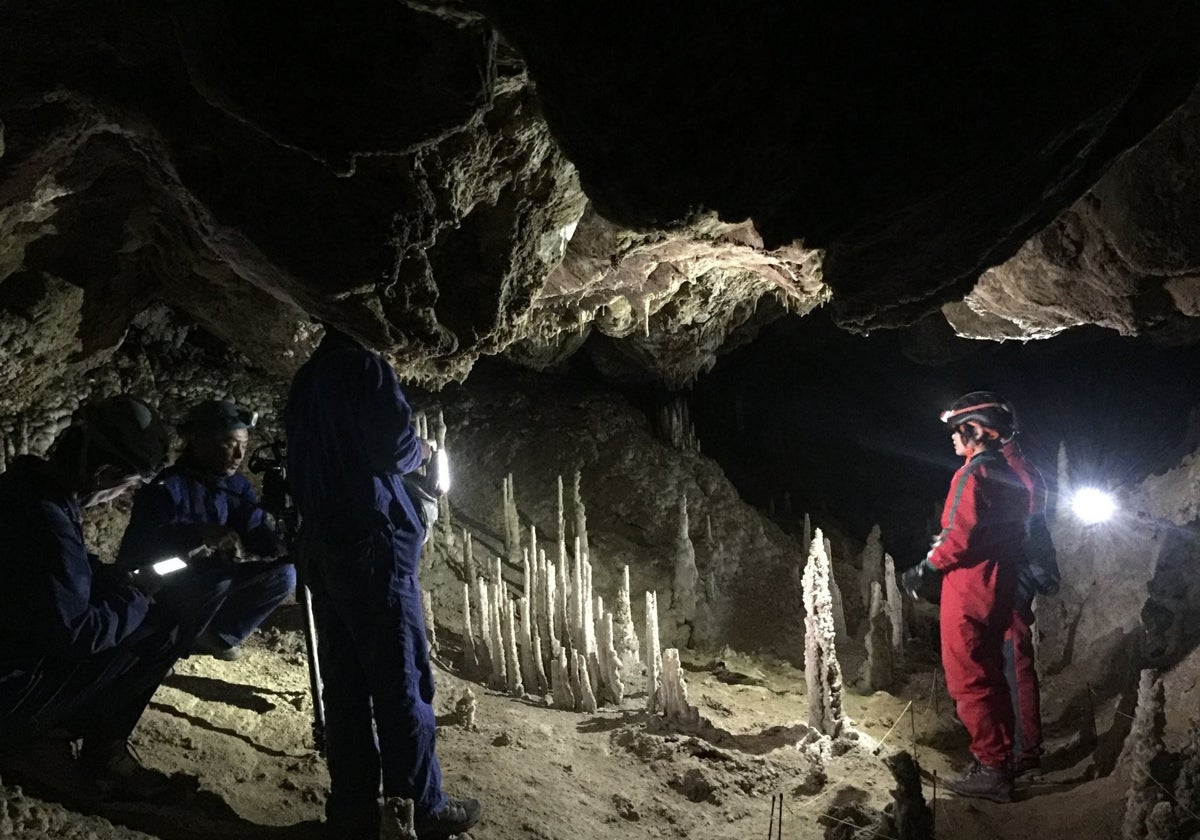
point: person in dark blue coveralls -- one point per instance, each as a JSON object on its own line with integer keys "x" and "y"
{"x": 82, "y": 645}
{"x": 350, "y": 440}
{"x": 202, "y": 500}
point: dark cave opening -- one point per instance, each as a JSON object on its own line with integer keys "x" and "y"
{"x": 847, "y": 424}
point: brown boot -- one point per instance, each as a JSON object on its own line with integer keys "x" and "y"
{"x": 983, "y": 782}
{"x": 118, "y": 772}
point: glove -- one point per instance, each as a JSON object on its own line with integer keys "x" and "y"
{"x": 921, "y": 582}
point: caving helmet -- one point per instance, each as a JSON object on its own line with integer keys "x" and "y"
{"x": 128, "y": 433}
{"x": 984, "y": 409}
{"x": 216, "y": 418}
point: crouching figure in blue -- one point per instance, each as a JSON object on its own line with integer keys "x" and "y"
{"x": 203, "y": 504}
{"x": 350, "y": 441}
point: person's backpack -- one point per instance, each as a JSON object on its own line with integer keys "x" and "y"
{"x": 1040, "y": 574}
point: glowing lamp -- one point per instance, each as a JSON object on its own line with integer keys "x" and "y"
{"x": 1093, "y": 506}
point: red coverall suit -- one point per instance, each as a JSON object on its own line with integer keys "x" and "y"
{"x": 1026, "y": 690}
{"x": 978, "y": 552}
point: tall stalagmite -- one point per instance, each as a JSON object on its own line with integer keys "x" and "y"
{"x": 877, "y": 669}
{"x": 653, "y": 653}
{"x": 1144, "y": 749}
{"x": 626, "y": 641}
{"x": 687, "y": 578}
{"x": 895, "y": 611}
{"x": 822, "y": 673}
{"x": 871, "y": 565}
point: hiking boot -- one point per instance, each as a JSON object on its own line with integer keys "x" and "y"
{"x": 1029, "y": 765}
{"x": 118, "y": 772}
{"x": 212, "y": 645}
{"x": 457, "y": 816}
{"x": 983, "y": 782}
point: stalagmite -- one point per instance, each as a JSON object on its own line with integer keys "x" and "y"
{"x": 499, "y": 649}
{"x": 470, "y": 658}
{"x": 430, "y": 629}
{"x": 467, "y": 707}
{"x": 675, "y": 706}
{"x": 485, "y": 647}
{"x": 560, "y": 683}
{"x": 870, "y": 562}
{"x": 528, "y": 671}
{"x": 877, "y": 669}
{"x": 577, "y": 679}
{"x": 580, "y": 515}
{"x": 910, "y": 817}
{"x": 587, "y": 697}
{"x": 577, "y": 642}
{"x": 565, "y": 602}
{"x": 468, "y": 558}
{"x": 398, "y": 819}
{"x": 612, "y": 684}
{"x": 675, "y": 425}
{"x": 653, "y": 655}
{"x": 839, "y": 610}
{"x": 1143, "y": 746}
{"x": 512, "y": 523}
{"x": 822, "y": 673}
{"x": 543, "y": 683}
{"x": 1187, "y": 784}
{"x": 895, "y": 611}
{"x": 514, "y": 684}
{"x": 548, "y": 615}
{"x": 687, "y": 577}
{"x": 626, "y": 641}
{"x": 806, "y": 536}
{"x": 1062, "y": 495}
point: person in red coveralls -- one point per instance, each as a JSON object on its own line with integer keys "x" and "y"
{"x": 978, "y": 555}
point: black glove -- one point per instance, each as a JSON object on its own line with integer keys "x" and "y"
{"x": 922, "y": 582}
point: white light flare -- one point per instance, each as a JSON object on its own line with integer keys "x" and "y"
{"x": 1093, "y": 506}
{"x": 443, "y": 471}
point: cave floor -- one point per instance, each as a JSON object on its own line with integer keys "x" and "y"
{"x": 236, "y": 738}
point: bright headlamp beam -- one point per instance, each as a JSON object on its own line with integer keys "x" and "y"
{"x": 1093, "y": 506}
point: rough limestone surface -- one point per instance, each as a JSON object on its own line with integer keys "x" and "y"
{"x": 1013, "y": 148}
{"x": 877, "y": 669}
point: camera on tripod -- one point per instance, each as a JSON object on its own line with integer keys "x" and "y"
{"x": 270, "y": 461}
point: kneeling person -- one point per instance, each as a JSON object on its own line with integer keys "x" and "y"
{"x": 82, "y": 646}
{"x": 203, "y": 501}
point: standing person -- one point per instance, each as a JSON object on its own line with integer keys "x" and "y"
{"x": 1038, "y": 576}
{"x": 350, "y": 441}
{"x": 203, "y": 500}
{"x": 978, "y": 555}
{"x": 82, "y": 647}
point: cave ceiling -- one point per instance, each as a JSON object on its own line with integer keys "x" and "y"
{"x": 451, "y": 180}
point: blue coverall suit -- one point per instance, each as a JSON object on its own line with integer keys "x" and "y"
{"x": 350, "y": 440}
{"x": 80, "y": 648}
{"x": 169, "y": 519}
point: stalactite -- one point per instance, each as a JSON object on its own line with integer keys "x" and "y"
{"x": 1144, "y": 746}
{"x": 430, "y": 629}
{"x": 560, "y": 683}
{"x": 580, "y": 515}
{"x": 653, "y": 654}
{"x": 822, "y": 672}
{"x": 626, "y": 641}
{"x": 675, "y": 707}
{"x": 683, "y": 600}
{"x": 470, "y": 658}
{"x": 877, "y": 669}
{"x": 895, "y": 611}
{"x": 514, "y": 683}
{"x": 870, "y": 562}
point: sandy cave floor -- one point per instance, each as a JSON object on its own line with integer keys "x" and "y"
{"x": 236, "y": 736}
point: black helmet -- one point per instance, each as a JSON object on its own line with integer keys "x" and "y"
{"x": 985, "y": 408}
{"x": 127, "y": 430}
{"x": 218, "y": 418}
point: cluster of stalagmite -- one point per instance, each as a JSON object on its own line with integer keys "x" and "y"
{"x": 675, "y": 426}
{"x": 883, "y": 629}
{"x": 555, "y": 636}
{"x": 822, "y": 672}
